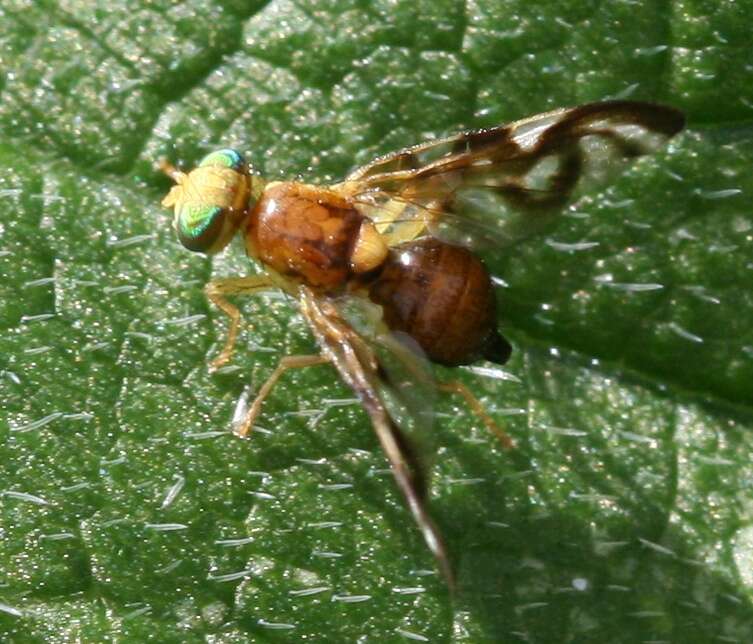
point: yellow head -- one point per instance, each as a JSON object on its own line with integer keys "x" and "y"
{"x": 212, "y": 200}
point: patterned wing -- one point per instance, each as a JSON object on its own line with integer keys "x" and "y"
{"x": 505, "y": 183}
{"x": 405, "y": 378}
{"x": 368, "y": 360}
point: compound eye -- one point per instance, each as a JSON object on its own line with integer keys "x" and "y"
{"x": 226, "y": 158}
{"x": 200, "y": 227}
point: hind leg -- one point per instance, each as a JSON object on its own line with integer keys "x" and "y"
{"x": 457, "y": 387}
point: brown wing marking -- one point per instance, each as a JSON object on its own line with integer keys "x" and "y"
{"x": 531, "y": 136}
{"x": 537, "y": 165}
{"x": 359, "y": 368}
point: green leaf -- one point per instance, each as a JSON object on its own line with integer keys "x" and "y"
{"x": 129, "y": 513}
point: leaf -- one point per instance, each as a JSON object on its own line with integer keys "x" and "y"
{"x": 128, "y": 510}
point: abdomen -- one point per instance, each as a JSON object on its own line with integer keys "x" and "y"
{"x": 442, "y": 296}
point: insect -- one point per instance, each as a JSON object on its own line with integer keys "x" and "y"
{"x": 387, "y": 253}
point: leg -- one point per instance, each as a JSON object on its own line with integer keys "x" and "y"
{"x": 288, "y": 362}
{"x": 216, "y": 291}
{"x": 457, "y": 387}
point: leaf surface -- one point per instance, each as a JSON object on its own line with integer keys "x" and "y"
{"x": 129, "y": 513}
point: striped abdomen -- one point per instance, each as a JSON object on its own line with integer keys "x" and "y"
{"x": 442, "y": 296}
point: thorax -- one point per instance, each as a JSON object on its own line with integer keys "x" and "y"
{"x": 312, "y": 235}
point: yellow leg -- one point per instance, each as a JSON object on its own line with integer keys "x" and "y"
{"x": 216, "y": 291}
{"x": 288, "y": 362}
{"x": 457, "y": 387}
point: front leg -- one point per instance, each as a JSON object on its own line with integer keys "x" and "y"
{"x": 216, "y": 292}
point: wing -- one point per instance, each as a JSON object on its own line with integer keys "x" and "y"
{"x": 405, "y": 379}
{"x": 506, "y": 182}
{"x": 362, "y": 369}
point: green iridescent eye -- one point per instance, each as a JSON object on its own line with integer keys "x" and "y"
{"x": 200, "y": 226}
{"x": 226, "y": 158}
